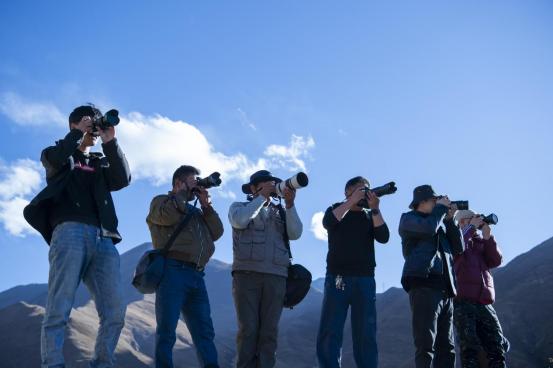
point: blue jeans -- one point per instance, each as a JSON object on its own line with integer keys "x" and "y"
{"x": 182, "y": 290}
{"x": 360, "y": 294}
{"x": 78, "y": 252}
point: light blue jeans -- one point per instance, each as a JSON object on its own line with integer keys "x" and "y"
{"x": 79, "y": 252}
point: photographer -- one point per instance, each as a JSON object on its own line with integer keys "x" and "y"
{"x": 475, "y": 318}
{"x": 428, "y": 274}
{"x": 76, "y": 216}
{"x": 352, "y": 231}
{"x": 260, "y": 267}
{"x": 182, "y": 288}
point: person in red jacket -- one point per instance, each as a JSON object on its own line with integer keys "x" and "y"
{"x": 474, "y": 316}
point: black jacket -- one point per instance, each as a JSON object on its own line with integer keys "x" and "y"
{"x": 421, "y": 236}
{"x": 112, "y": 174}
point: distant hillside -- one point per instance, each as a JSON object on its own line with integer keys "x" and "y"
{"x": 524, "y": 304}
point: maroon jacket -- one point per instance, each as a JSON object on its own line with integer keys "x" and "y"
{"x": 474, "y": 281}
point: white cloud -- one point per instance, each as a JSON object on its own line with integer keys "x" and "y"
{"x": 29, "y": 113}
{"x": 245, "y": 120}
{"x": 226, "y": 194}
{"x": 17, "y": 182}
{"x": 317, "y": 228}
{"x": 292, "y": 156}
{"x": 155, "y": 146}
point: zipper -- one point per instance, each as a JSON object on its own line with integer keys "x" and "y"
{"x": 200, "y": 233}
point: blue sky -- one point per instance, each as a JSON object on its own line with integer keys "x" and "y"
{"x": 455, "y": 94}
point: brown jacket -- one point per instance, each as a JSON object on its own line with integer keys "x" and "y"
{"x": 195, "y": 243}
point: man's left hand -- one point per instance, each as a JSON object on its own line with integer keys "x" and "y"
{"x": 373, "y": 200}
{"x": 107, "y": 134}
{"x": 289, "y": 197}
{"x": 203, "y": 197}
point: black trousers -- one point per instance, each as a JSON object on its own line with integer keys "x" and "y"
{"x": 432, "y": 322}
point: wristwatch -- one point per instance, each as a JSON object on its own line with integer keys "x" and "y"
{"x": 375, "y": 212}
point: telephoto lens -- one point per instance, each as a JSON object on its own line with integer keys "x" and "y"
{"x": 491, "y": 219}
{"x": 461, "y": 205}
{"x": 213, "y": 180}
{"x": 300, "y": 180}
{"x": 110, "y": 119}
{"x": 387, "y": 189}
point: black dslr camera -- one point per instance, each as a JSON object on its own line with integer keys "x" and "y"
{"x": 213, "y": 180}
{"x": 387, "y": 189}
{"x": 491, "y": 219}
{"x": 461, "y": 204}
{"x": 110, "y": 119}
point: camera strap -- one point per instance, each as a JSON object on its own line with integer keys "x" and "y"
{"x": 282, "y": 214}
{"x": 180, "y": 227}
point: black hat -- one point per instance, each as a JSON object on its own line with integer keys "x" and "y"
{"x": 420, "y": 194}
{"x": 83, "y": 111}
{"x": 257, "y": 177}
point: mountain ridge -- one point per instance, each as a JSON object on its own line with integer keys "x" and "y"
{"x": 522, "y": 307}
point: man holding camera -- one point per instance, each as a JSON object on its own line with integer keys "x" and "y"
{"x": 475, "y": 318}
{"x": 352, "y": 229}
{"x": 76, "y": 216}
{"x": 428, "y": 274}
{"x": 182, "y": 288}
{"x": 260, "y": 266}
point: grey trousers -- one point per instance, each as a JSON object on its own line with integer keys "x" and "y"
{"x": 259, "y": 299}
{"x": 432, "y": 328}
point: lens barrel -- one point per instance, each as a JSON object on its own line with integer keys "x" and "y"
{"x": 295, "y": 182}
{"x": 213, "y": 180}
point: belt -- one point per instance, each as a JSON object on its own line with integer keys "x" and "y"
{"x": 243, "y": 272}
{"x": 248, "y": 272}
{"x": 189, "y": 264}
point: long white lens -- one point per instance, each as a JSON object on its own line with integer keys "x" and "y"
{"x": 300, "y": 180}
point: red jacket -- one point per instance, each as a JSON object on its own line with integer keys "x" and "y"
{"x": 474, "y": 281}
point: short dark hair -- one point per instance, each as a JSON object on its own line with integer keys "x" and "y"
{"x": 82, "y": 111}
{"x": 184, "y": 171}
{"x": 355, "y": 181}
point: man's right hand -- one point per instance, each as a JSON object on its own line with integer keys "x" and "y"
{"x": 267, "y": 190}
{"x": 356, "y": 196}
{"x": 85, "y": 125}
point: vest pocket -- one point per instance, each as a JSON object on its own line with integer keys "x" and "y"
{"x": 251, "y": 247}
{"x": 258, "y": 237}
{"x": 280, "y": 254}
{"x": 258, "y": 251}
{"x": 279, "y": 225}
{"x": 244, "y": 247}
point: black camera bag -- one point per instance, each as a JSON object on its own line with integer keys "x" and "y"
{"x": 299, "y": 278}
{"x": 151, "y": 266}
